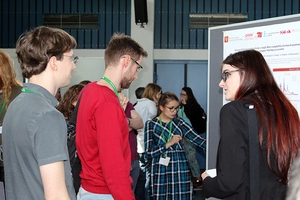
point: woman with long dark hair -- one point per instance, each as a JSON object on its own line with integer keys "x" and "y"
{"x": 247, "y": 79}
{"x": 191, "y": 111}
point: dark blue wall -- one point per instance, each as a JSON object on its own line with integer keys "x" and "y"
{"x": 17, "y": 16}
{"x": 171, "y": 18}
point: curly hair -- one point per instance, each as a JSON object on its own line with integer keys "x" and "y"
{"x": 66, "y": 106}
{"x": 8, "y": 77}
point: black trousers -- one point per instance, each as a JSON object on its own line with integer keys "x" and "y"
{"x": 2, "y": 174}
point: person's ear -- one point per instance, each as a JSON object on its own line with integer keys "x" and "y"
{"x": 161, "y": 108}
{"x": 126, "y": 61}
{"x": 53, "y": 63}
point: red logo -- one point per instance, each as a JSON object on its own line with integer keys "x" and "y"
{"x": 259, "y": 34}
{"x": 285, "y": 31}
{"x": 226, "y": 39}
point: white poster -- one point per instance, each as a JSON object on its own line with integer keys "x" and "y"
{"x": 280, "y": 46}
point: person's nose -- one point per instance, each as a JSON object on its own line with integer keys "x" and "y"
{"x": 135, "y": 76}
{"x": 222, "y": 83}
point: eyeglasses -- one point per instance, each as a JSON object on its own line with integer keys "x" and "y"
{"x": 181, "y": 94}
{"x": 225, "y": 75}
{"x": 172, "y": 109}
{"x": 140, "y": 66}
{"x": 73, "y": 59}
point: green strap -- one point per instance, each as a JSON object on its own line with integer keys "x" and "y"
{"x": 170, "y": 132}
{"x": 2, "y": 107}
{"x": 29, "y": 91}
{"x": 112, "y": 85}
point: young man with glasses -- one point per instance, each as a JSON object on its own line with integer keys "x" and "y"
{"x": 36, "y": 158}
{"x": 102, "y": 128}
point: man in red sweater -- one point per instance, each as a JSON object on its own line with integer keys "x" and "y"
{"x": 102, "y": 127}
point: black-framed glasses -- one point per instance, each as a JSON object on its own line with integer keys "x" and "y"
{"x": 226, "y": 74}
{"x": 181, "y": 94}
{"x": 73, "y": 59}
{"x": 172, "y": 109}
{"x": 140, "y": 66}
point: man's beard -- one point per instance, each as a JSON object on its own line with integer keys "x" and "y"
{"x": 125, "y": 82}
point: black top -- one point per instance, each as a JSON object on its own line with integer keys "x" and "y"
{"x": 197, "y": 116}
{"x": 232, "y": 180}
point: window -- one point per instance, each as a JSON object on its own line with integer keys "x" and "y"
{"x": 71, "y": 21}
{"x": 210, "y": 20}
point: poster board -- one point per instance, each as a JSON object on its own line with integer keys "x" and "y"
{"x": 216, "y": 55}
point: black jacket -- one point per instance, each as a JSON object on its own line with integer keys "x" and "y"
{"x": 232, "y": 180}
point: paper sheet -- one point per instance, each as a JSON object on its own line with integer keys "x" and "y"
{"x": 211, "y": 172}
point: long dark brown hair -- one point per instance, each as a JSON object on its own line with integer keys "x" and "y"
{"x": 277, "y": 116}
{"x": 65, "y": 105}
{"x": 191, "y": 100}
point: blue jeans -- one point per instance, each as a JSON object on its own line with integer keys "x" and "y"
{"x": 143, "y": 191}
{"x": 85, "y": 195}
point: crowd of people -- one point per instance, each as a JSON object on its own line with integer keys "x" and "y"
{"x": 145, "y": 150}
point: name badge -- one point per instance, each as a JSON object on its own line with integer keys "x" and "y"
{"x": 164, "y": 161}
{"x": 0, "y": 129}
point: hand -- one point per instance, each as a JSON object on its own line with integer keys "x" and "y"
{"x": 182, "y": 100}
{"x": 204, "y": 175}
{"x": 123, "y": 100}
{"x": 175, "y": 139}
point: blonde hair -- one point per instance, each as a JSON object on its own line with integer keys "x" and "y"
{"x": 151, "y": 90}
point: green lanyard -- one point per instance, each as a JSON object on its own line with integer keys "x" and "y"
{"x": 112, "y": 85}
{"x": 23, "y": 90}
{"x": 29, "y": 91}
{"x": 2, "y": 107}
{"x": 170, "y": 132}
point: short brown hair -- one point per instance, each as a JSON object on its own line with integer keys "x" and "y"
{"x": 35, "y": 48}
{"x": 121, "y": 44}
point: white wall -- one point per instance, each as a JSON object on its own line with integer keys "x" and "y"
{"x": 145, "y": 37}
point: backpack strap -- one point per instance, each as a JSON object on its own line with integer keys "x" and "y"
{"x": 75, "y": 112}
{"x": 253, "y": 152}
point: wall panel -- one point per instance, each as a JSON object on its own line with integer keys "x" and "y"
{"x": 288, "y": 7}
{"x": 256, "y": 9}
{"x": 171, "y": 25}
{"x": 18, "y": 16}
{"x": 295, "y": 7}
{"x": 157, "y": 20}
{"x": 165, "y": 24}
{"x": 179, "y": 25}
